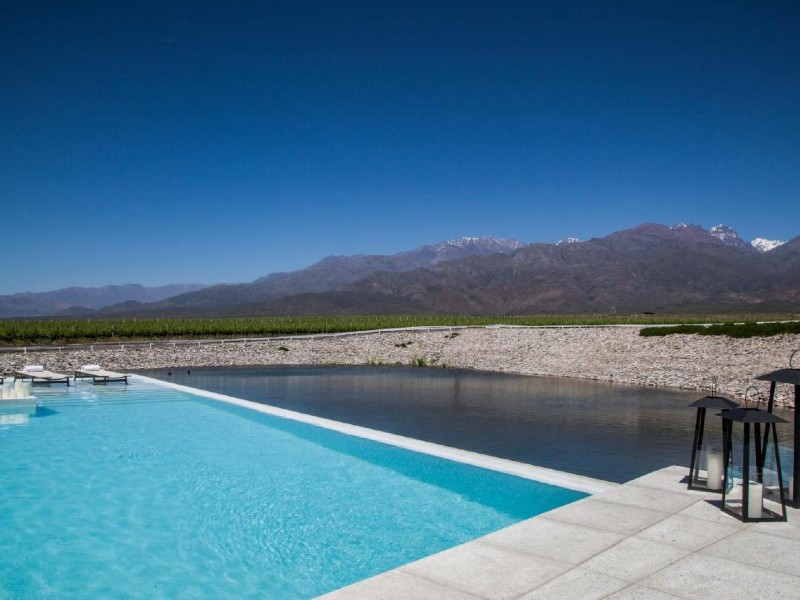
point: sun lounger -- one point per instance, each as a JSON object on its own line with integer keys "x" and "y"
{"x": 99, "y": 375}
{"x": 38, "y": 374}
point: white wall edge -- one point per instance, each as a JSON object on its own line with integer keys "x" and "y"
{"x": 563, "y": 479}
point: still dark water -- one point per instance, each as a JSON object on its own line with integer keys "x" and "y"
{"x": 602, "y": 430}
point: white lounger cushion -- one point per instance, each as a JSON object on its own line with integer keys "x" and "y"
{"x": 33, "y": 368}
{"x": 90, "y": 368}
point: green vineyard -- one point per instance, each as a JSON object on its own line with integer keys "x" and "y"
{"x": 65, "y": 331}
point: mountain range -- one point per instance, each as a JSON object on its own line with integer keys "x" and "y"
{"x": 85, "y": 300}
{"x": 652, "y": 268}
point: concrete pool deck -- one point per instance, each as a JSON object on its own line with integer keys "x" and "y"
{"x": 650, "y": 538}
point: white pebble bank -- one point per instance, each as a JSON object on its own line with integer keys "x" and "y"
{"x": 617, "y": 354}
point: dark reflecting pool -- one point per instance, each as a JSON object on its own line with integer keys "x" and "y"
{"x": 597, "y": 429}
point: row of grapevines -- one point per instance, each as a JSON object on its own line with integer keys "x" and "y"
{"x": 60, "y": 331}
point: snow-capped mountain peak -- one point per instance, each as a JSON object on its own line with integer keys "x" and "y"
{"x": 684, "y": 226}
{"x": 484, "y": 243}
{"x": 471, "y": 246}
{"x": 568, "y": 240}
{"x": 764, "y": 245}
{"x": 728, "y": 235}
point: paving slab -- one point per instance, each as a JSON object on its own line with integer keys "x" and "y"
{"x": 559, "y": 540}
{"x": 396, "y": 585}
{"x": 650, "y": 539}
{"x": 703, "y": 577}
{"x": 487, "y": 571}
{"x": 633, "y": 559}
{"x": 608, "y": 516}
{"x": 789, "y": 529}
{"x": 577, "y": 584}
{"x": 637, "y": 592}
{"x": 687, "y": 533}
{"x": 709, "y": 510}
{"x": 760, "y": 549}
{"x": 652, "y": 498}
{"x": 669, "y": 478}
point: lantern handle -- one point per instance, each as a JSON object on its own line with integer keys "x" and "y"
{"x": 791, "y": 358}
{"x": 759, "y": 398}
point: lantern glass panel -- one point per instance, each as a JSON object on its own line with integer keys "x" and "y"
{"x": 734, "y": 477}
{"x": 706, "y": 465}
{"x": 771, "y": 473}
{"x": 753, "y": 493}
{"x": 709, "y": 472}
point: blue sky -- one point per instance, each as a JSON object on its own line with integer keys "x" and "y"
{"x": 164, "y": 142}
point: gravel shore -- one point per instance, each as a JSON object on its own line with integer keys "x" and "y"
{"x": 617, "y": 354}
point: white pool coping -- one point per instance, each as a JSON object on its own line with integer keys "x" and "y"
{"x": 562, "y": 479}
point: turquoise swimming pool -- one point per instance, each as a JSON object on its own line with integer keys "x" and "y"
{"x": 144, "y": 491}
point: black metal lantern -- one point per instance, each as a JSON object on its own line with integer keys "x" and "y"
{"x": 706, "y": 466}
{"x": 790, "y": 376}
{"x": 747, "y": 494}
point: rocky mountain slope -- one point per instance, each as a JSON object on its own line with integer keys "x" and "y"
{"x": 331, "y": 273}
{"x": 647, "y": 268}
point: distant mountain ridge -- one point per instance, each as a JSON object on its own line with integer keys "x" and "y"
{"x": 77, "y": 300}
{"x": 729, "y": 236}
{"x": 725, "y": 234}
{"x": 647, "y": 268}
{"x": 427, "y": 255}
{"x": 330, "y": 273}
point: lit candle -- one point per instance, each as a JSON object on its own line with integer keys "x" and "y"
{"x": 714, "y": 474}
{"x": 755, "y": 500}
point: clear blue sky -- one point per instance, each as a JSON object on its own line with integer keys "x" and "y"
{"x": 164, "y": 142}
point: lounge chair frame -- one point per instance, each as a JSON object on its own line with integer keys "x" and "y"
{"x": 101, "y": 376}
{"x": 42, "y": 377}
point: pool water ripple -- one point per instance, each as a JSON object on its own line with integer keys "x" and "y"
{"x": 144, "y": 492}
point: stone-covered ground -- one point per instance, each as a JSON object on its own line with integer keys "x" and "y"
{"x": 616, "y": 354}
